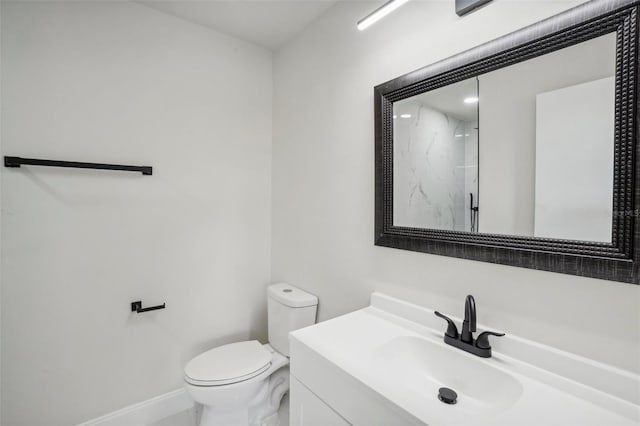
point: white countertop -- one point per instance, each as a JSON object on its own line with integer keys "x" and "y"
{"x": 387, "y": 350}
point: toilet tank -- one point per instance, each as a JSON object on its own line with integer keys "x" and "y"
{"x": 289, "y": 309}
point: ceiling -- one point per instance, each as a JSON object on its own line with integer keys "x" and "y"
{"x": 450, "y": 99}
{"x": 268, "y": 23}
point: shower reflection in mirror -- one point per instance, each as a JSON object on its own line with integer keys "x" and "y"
{"x": 436, "y": 159}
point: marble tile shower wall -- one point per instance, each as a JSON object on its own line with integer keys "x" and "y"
{"x": 433, "y": 173}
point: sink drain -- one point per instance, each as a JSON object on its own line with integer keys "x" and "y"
{"x": 448, "y": 396}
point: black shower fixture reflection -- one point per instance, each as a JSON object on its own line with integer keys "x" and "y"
{"x": 473, "y": 214}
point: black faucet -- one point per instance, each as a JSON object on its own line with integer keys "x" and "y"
{"x": 465, "y": 341}
{"x": 469, "y": 323}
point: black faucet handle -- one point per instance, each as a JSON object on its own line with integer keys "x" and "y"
{"x": 452, "y": 330}
{"x": 482, "y": 341}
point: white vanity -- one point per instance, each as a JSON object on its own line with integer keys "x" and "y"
{"x": 383, "y": 365}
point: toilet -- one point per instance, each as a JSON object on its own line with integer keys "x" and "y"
{"x": 242, "y": 383}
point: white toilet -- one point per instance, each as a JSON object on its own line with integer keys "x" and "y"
{"x": 242, "y": 383}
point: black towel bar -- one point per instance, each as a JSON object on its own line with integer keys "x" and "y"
{"x": 18, "y": 161}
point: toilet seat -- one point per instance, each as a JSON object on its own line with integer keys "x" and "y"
{"x": 228, "y": 364}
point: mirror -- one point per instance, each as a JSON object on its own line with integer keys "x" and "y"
{"x": 521, "y": 151}
{"x": 543, "y": 130}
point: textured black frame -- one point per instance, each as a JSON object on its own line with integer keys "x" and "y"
{"x": 618, "y": 260}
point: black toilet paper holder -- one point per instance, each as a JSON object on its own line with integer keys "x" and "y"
{"x": 137, "y": 307}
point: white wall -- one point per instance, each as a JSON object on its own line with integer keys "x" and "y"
{"x": 119, "y": 82}
{"x": 323, "y": 192}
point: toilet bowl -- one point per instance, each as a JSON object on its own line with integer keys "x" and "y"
{"x": 242, "y": 383}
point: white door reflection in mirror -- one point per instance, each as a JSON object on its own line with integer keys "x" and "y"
{"x": 571, "y": 125}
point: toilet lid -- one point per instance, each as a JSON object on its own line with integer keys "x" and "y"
{"x": 228, "y": 363}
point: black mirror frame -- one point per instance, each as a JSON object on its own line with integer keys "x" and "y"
{"x": 616, "y": 261}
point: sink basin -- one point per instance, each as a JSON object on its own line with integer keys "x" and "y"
{"x": 424, "y": 366}
{"x": 383, "y": 365}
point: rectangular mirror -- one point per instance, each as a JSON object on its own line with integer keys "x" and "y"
{"x": 547, "y": 149}
{"x": 521, "y": 151}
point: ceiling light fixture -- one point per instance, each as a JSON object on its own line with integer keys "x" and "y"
{"x": 405, "y": 115}
{"x": 471, "y": 100}
{"x": 380, "y": 13}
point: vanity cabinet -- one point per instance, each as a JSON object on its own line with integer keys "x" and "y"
{"x": 307, "y": 409}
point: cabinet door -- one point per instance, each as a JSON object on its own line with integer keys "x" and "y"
{"x": 307, "y": 409}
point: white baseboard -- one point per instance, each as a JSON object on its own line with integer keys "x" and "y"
{"x": 146, "y": 412}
